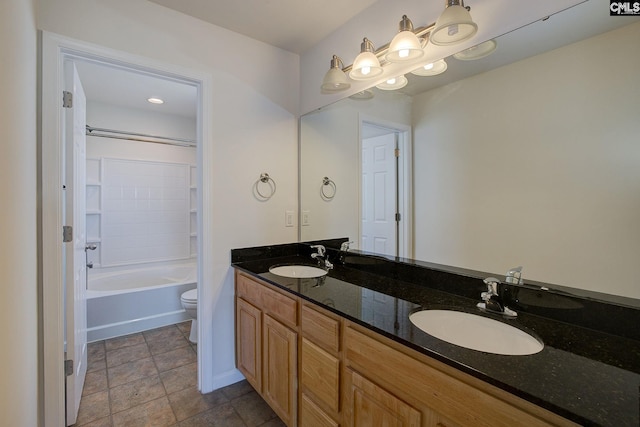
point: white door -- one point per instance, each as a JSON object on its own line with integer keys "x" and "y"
{"x": 379, "y": 195}
{"x": 75, "y": 252}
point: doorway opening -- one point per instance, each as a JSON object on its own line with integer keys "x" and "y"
{"x": 134, "y": 199}
{"x": 385, "y": 185}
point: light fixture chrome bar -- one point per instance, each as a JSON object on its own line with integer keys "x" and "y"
{"x": 141, "y": 137}
{"x": 382, "y": 50}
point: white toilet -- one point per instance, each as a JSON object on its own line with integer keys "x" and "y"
{"x": 189, "y": 300}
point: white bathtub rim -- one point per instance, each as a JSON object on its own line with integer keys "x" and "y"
{"x": 190, "y": 278}
{"x": 104, "y": 272}
{"x": 99, "y": 294}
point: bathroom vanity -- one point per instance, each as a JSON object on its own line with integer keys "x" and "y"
{"x": 339, "y": 350}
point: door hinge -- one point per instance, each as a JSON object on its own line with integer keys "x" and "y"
{"x": 398, "y": 217}
{"x": 68, "y": 367}
{"x": 67, "y": 233}
{"x": 67, "y": 99}
{"x": 396, "y": 152}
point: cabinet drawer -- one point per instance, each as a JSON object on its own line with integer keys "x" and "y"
{"x": 320, "y": 375}
{"x": 272, "y": 302}
{"x": 321, "y": 329}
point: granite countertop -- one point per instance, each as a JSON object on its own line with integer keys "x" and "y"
{"x": 586, "y": 375}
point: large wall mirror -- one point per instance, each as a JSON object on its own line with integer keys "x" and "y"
{"x": 529, "y": 156}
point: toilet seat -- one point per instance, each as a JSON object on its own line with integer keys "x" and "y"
{"x": 190, "y": 296}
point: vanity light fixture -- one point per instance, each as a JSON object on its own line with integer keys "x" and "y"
{"x": 454, "y": 24}
{"x": 155, "y": 100}
{"x": 393, "y": 83}
{"x": 366, "y": 65}
{"x": 405, "y": 46}
{"x": 335, "y": 80}
{"x": 431, "y": 69}
{"x": 476, "y": 52}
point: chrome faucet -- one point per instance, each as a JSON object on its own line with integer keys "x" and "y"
{"x": 492, "y": 298}
{"x": 344, "y": 248}
{"x": 320, "y": 256}
{"x": 514, "y": 276}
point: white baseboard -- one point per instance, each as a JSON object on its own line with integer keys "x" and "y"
{"x": 226, "y": 378}
{"x": 119, "y": 329}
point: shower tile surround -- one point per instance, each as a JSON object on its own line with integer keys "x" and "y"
{"x": 589, "y": 370}
{"x": 140, "y": 211}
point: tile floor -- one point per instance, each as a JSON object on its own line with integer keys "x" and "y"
{"x": 149, "y": 379}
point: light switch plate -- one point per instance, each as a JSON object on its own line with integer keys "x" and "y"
{"x": 288, "y": 219}
{"x": 305, "y": 217}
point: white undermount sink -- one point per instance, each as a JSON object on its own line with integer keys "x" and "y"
{"x": 297, "y": 271}
{"x": 476, "y": 332}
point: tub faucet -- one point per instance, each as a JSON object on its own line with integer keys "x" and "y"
{"x": 492, "y": 298}
{"x": 320, "y": 256}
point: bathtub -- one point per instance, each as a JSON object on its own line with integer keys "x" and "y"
{"x": 125, "y": 301}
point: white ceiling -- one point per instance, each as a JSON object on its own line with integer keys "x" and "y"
{"x": 293, "y": 25}
{"x": 128, "y": 88}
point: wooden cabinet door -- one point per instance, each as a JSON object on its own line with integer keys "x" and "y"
{"x": 280, "y": 353}
{"x": 369, "y": 405}
{"x": 249, "y": 342}
{"x": 312, "y": 416}
{"x": 320, "y": 375}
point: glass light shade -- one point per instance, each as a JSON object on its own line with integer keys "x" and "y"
{"x": 335, "y": 80}
{"x": 431, "y": 69}
{"x": 366, "y": 65}
{"x": 453, "y": 26}
{"x": 476, "y": 52}
{"x": 362, "y": 95}
{"x": 393, "y": 83}
{"x": 405, "y": 46}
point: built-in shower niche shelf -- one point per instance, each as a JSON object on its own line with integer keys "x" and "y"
{"x": 93, "y": 212}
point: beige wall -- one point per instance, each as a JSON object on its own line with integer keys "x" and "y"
{"x": 525, "y": 165}
{"x": 18, "y": 244}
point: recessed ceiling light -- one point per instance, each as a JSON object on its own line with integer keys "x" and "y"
{"x": 155, "y": 100}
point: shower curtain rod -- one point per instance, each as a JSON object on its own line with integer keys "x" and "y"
{"x": 141, "y": 137}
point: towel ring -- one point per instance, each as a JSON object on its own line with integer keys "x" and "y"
{"x": 266, "y": 179}
{"x": 328, "y": 189}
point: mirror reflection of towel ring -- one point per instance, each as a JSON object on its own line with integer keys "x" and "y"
{"x": 266, "y": 179}
{"x": 328, "y": 189}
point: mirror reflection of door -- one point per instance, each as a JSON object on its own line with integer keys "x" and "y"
{"x": 380, "y": 210}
